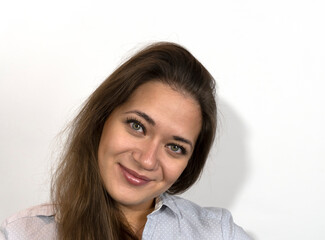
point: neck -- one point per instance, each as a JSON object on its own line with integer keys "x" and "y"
{"x": 136, "y": 216}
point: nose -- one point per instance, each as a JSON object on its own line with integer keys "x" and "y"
{"x": 147, "y": 155}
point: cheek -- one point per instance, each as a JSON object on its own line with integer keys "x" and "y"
{"x": 172, "y": 171}
{"x": 112, "y": 142}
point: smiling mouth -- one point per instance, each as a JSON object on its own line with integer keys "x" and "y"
{"x": 134, "y": 178}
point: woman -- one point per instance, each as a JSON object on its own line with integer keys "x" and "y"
{"x": 142, "y": 136}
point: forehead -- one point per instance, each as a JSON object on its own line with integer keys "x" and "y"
{"x": 163, "y": 95}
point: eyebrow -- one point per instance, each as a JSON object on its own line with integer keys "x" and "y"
{"x": 144, "y": 116}
{"x": 153, "y": 123}
{"x": 178, "y": 138}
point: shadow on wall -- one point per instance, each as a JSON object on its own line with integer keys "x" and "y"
{"x": 227, "y": 167}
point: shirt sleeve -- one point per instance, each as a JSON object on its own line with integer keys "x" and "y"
{"x": 2, "y": 232}
{"x": 230, "y": 230}
{"x": 35, "y": 223}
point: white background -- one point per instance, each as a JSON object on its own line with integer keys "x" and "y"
{"x": 268, "y": 58}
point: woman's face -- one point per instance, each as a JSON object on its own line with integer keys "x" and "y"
{"x": 146, "y": 143}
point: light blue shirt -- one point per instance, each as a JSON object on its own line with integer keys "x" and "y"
{"x": 173, "y": 218}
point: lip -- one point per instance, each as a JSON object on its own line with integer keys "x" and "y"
{"x": 133, "y": 177}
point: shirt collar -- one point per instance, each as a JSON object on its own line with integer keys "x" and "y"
{"x": 166, "y": 200}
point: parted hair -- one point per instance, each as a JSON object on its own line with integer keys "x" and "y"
{"x": 84, "y": 209}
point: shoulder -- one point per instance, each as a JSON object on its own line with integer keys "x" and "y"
{"x": 217, "y": 221}
{"x": 187, "y": 208}
{"x": 35, "y": 211}
{"x": 33, "y": 223}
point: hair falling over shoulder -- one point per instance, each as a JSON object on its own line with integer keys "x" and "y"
{"x": 84, "y": 209}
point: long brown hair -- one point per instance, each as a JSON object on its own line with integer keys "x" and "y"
{"x": 84, "y": 209}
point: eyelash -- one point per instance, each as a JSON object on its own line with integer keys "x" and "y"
{"x": 183, "y": 150}
{"x": 132, "y": 120}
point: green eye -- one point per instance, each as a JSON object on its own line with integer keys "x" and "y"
{"x": 136, "y": 126}
{"x": 178, "y": 149}
{"x": 174, "y": 148}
